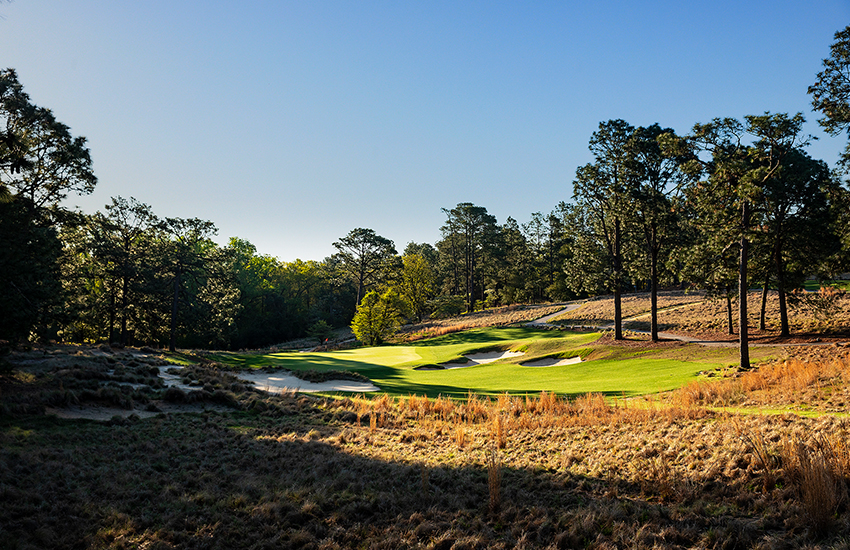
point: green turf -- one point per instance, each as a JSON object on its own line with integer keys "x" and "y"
{"x": 813, "y": 285}
{"x": 392, "y": 368}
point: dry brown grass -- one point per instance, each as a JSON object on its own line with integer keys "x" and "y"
{"x": 813, "y": 378}
{"x": 494, "y": 479}
{"x": 304, "y": 472}
{"x": 503, "y": 316}
{"x": 691, "y": 314}
{"x": 818, "y": 470}
{"x": 535, "y": 471}
{"x": 600, "y": 311}
{"x": 710, "y": 317}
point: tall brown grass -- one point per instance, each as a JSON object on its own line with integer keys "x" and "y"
{"x": 433, "y": 332}
{"x": 494, "y": 479}
{"x": 504, "y": 413}
{"x": 779, "y": 381}
{"x": 818, "y": 469}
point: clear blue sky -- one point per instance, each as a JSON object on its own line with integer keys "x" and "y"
{"x": 290, "y": 123}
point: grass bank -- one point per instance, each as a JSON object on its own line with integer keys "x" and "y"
{"x": 611, "y": 368}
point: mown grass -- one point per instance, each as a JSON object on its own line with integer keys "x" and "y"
{"x": 527, "y": 472}
{"x": 680, "y": 469}
{"x": 612, "y": 368}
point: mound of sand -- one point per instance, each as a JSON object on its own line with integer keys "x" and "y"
{"x": 553, "y": 362}
{"x": 279, "y": 381}
{"x": 483, "y": 358}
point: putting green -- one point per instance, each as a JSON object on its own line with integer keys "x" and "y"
{"x": 392, "y": 368}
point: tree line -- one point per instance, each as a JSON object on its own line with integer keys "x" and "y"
{"x": 729, "y": 205}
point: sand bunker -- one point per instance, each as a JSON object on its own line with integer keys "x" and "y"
{"x": 482, "y": 359}
{"x": 553, "y": 362}
{"x": 279, "y": 381}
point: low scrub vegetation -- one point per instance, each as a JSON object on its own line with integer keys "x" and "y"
{"x": 254, "y": 469}
{"x": 816, "y": 314}
{"x": 494, "y": 317}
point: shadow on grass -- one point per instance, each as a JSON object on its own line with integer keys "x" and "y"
{"x": 487, "y": 335}
{"x": 238, "y": 481}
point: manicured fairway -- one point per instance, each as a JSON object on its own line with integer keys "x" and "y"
{"x": 392, "y": 368}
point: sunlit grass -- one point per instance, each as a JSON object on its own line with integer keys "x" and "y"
{"x": 615, "y": 371}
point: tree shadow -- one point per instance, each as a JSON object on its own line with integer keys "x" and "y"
{"x": 246, "y": 481}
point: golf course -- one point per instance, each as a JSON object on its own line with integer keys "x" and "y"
{"x": 439, "y": 366}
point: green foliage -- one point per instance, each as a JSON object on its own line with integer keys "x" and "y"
{"x": 366, "y": 258}
{"x": 831, "y": 92}
{"x": 29, "y": 273}
{"x": 280, "y": 300}
{"x": 601, "y": 215}
{"x": 446, "y": 306}
{"x": 320, "y": 331}
{"x": 416, "y": 285}
{"x": 469, "y": 242}
{"x": 378, "y": 317}
{"x": 203, "y": 296}
{"x": 40, "y": 163}
{"x": 39, "y": 158}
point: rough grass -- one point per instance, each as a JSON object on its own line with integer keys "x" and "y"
{"x": 600, "y": 311}
{"x": 628, "y": 368}
{"x": 683, "y": 469}
{"x": 495, "y": 317}
{"x": 530, "y": 472}
{"x": 691, "y": 313}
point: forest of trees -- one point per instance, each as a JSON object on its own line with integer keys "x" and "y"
{"x": 729, "y": 205}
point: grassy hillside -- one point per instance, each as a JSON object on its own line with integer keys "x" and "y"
{"x": 612, "y": 369}
{"x": 725, "y": 459}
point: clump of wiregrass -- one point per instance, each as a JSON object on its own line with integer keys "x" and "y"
{"x": 766, "y": 457}
{"x": 819, "y": 470}
{"x": 776, "y": 382}
{"x": 503, "y": 413}
{"x": 815, "y": 466}
{"x": 494, "y": 479}
{"x": 460, "y": 435}
{"x": 435, "y": 331}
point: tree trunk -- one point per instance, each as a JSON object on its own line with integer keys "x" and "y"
{"x": 618, "y": 312}
{"x": 470, "y": 286}
{"x": 784, "y": 329}
{"x": 111, "y": 334}
{"x": 125, "y": 287}
{"x": 762, "y": 313}
{"x": 730, "y": 323}
{"x": 361, "y": 278}
{"x": 743, "y": 333}
{"x": 653, "y": 287}
{"x": 172, "y": 340}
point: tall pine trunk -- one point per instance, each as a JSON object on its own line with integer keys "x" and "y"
{"x": 172, "y": 339}
{"x": 730, "y": 323}
{"x": 125, "y": 300}
{"x": 743, "y": 333}
{"x": 784, "y": 329}
{"x": 112, "y": 305}
{"x": 653, "y": 290}
{"x": 618, "y": 282}
{"x": 763, "y": 310}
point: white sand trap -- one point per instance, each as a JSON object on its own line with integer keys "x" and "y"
{"x": 553, "y": 362}
{"x": 279, "y": 381}
{"x": 483, "y": 358}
